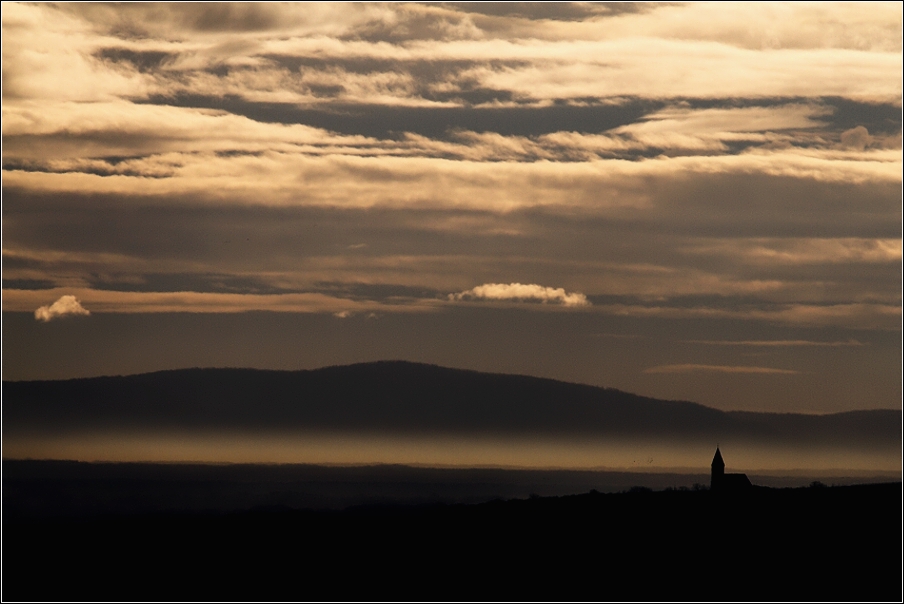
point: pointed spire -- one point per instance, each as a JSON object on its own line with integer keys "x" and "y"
{"x": 717, "y": 459}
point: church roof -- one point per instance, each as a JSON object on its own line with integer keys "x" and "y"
{"x": 736, "y": 481}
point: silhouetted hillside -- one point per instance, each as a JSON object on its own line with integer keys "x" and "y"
{"x": 813, "y": 544}
{"x": 54, "y": 488}
{"x": 402, "y": 397}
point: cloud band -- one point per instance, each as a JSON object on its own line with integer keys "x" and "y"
{"x": 690, "y": 368}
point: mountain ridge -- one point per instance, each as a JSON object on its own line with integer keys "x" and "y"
{"x": 407, "y": 397}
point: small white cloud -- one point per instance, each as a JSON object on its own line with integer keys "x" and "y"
{"x": 65, "y": 306}
{"x": 518, "y": 291}
{"x": 344, "y": 314}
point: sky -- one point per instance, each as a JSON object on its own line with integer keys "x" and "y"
{"x": 685, "y": 201}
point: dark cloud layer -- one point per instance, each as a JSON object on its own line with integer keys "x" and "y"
{"x": 592, "y": 117}
{"x": 559, "y": 11}
{"x": 226, "y": 244}
{"x": 390, "y": 122}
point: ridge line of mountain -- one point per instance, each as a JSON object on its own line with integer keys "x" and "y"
{"x": 449, "y": 370}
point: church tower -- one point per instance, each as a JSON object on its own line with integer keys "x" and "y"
{"x": 718, "y": 473}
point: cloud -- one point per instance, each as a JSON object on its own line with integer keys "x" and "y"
{"x": 853, "y": 316}
{"x": 802, "y": 250}
{"x": 692, "y": 368}
{"x": 275, "y": 178}
{"x": 65, "y": 306}
{"x": 517, "y": 291}
{"x": 675, "y": 151}
{"x": 167, "y": 302}
{"x": 856, "y": 138}
{"x": 776, "y": 343}
{"x": 361, "y": 54}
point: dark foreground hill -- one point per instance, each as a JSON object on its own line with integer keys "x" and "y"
{"x": 829, "y": 543}
{"x": 48, "y": 488}
{"x": 402, "y": 397}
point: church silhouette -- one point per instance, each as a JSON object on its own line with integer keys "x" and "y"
{"x": 720, "y": 481}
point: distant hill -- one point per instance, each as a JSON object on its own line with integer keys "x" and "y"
{"x": 404, "y": 397}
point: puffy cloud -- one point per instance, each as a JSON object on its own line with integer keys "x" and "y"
{"x": 857, "y": 138}
{"x": 517, "y": 291}
{"x": 65, "y": 306}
